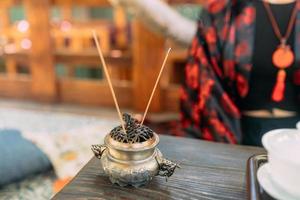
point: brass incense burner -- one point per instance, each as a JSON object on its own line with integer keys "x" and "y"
{"x": 132, "y": 158}
{"x": 129, "y": 155}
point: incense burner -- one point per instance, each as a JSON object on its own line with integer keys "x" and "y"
{"x": 132, "y": 159}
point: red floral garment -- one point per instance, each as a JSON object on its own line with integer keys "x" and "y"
{"x": 218, "y": 70}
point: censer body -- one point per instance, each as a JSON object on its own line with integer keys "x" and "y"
{"x": 133, "y": 164}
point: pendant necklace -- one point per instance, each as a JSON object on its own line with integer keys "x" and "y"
{"x": 283, "y": 57}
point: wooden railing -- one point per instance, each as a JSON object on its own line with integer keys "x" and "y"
{"x": 133, "y": 66}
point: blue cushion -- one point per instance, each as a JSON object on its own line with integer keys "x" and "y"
{"x": 19, "y": 158}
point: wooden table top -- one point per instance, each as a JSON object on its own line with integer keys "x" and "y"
{"x": 208, "y": 171}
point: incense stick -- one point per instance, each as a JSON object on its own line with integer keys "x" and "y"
{"x": 108, "y": 79}
{"x": 156, "y": 83}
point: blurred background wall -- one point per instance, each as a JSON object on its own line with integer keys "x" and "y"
{"x": 47, "y": 53}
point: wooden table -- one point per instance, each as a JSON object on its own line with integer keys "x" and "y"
{"x": 208, "y": 171}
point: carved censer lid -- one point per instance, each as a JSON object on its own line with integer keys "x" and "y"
{"x": 137, "y": 136}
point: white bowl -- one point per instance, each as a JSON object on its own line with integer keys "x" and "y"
{"x": 283, "y": 146}
{"x": 298, "y": 125}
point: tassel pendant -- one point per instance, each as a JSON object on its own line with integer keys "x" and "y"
{"x": 283, "y": 57}
{"x": 278, "y": 91}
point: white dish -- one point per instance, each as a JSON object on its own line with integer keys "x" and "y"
{"x": 283, "y": 146}
{"x": 270, "y": 186}
{"x": 298, "y": 125}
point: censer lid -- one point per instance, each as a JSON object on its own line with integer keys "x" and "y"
{"x": 137, "y": 136}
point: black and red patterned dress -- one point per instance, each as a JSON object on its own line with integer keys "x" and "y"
{"x": 219, "y": 67}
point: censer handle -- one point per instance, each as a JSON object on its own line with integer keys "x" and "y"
{"x": 98, "y": 150}
{"x": 166, "y": 167}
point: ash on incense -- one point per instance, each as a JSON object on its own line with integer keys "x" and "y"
{"x": 135, "y": 132}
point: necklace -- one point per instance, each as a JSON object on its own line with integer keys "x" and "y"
{"x": 283, "y": 57}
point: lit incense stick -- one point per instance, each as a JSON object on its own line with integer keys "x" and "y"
{"x": 156, "y": 83}
{"x": 108, "y": 79}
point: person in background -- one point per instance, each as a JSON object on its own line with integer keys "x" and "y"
{"x": 242, "y": 78}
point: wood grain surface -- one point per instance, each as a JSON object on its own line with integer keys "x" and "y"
{"x": 208, "y": 171}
